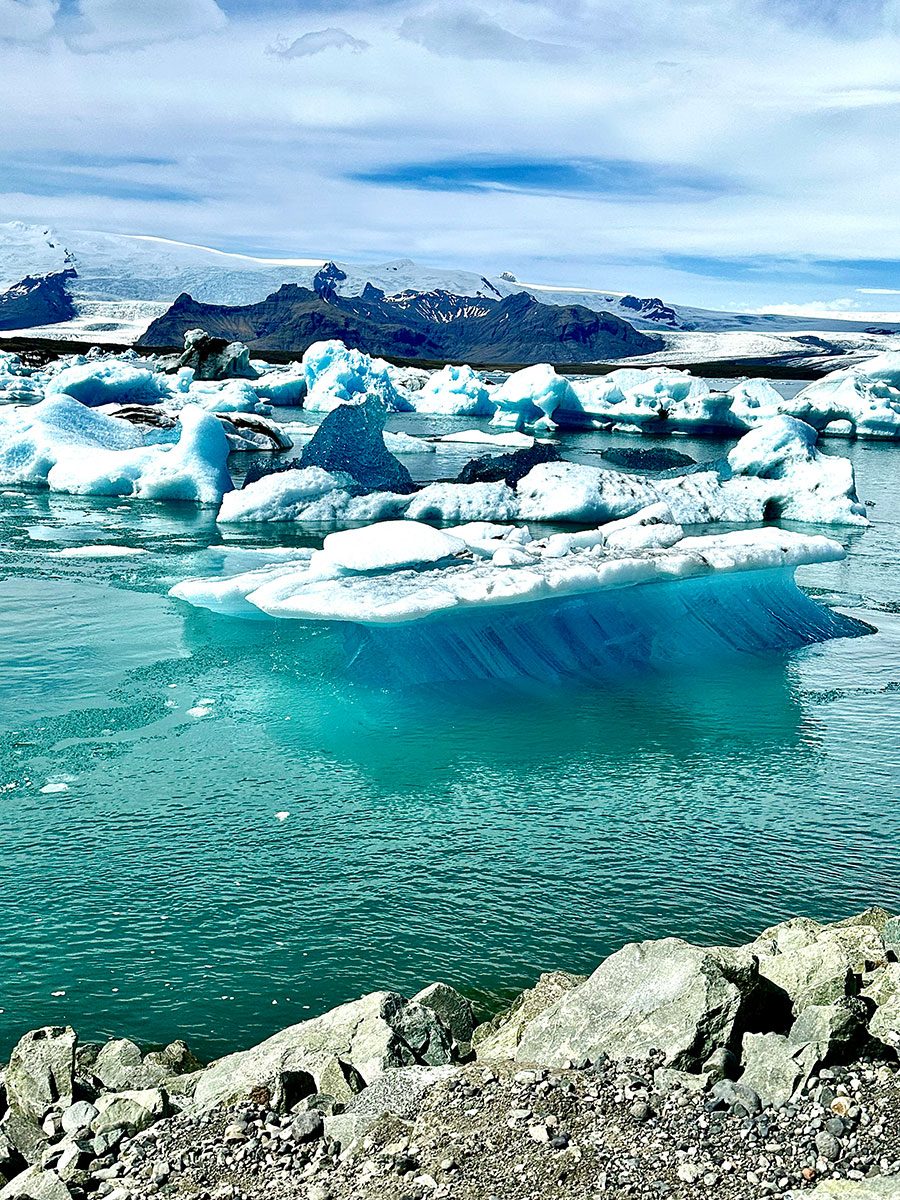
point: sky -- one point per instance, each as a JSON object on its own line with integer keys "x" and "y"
{"x": 738, "y": 154}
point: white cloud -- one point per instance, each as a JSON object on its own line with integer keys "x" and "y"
{"x": 721, "y": 87}
{"x": 469, "y": 33}
{"x": 316, "y": 42}
{"x": 107, "y": 24}
{"x": 26, "y": 20}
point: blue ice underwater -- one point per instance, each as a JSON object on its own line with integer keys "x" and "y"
{"x": 606, "y": 635}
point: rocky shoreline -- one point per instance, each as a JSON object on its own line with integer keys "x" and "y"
{"x": 765, "y": 1070}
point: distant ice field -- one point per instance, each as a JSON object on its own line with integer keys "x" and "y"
{"x": 481, "y": 834}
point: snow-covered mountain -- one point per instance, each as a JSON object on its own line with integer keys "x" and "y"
{"x": 123, "y": 282}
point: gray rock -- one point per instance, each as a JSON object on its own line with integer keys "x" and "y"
{"x": 378, "y": 1031}
{"x": 828, "y": 1146}
{"x": 818, "y": 973}
{"x": 665, "y": 1080}
{"x": 838, "y": 1029}
{"x": 450, "y": 1007}
{"x": 664, "y": 995}
{"x": 307, "y": 1126}
{"x": 120, "y": 1067}
{"x": 731, "y": 1095}
{"x": 876, "y": 916}
{"x": 890, "y": 931}
{"x": 25, "y": 1135}
{"x": 499, "y": 1037}
{"x": 399, "y": 1092}
{"x": 775, "y": 1068}
{"x": 11, "y": 1161}
{"x": 78, "y": 1116}
{"x": 128, "y": 1111}
{"x": 36, "y": 1184}
{"x": 174, "y": 1059}
{"x": 341, "y": 1080}
{"x": 790, "y": 935}
{"x": 41, "y": 1071}
{"x": 722, "y": 1064}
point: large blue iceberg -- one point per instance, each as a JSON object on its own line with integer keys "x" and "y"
{"x": 413, "y": 604}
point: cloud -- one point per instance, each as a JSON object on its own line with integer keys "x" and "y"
{"x": 107, "y": 24}
{"x": 587, "y": 177}
{"x": 27, "y": 20}
{"x": 316, "y": 43}
{"x": 468, "y": 33}
{"x": 849, "y": 20}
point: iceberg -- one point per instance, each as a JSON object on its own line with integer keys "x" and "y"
{"x": 416, "y": 605}
{"x": 336, "y": 375}
{"x": 66, "y": 447}
{"x": 454, "y": 391}
{"x": 861, "y": 401}
{"x": 111, "y": 382}
{"x": 775, "y": 471}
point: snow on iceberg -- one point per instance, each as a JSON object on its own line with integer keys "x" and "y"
{"x": 109, "y": 382}
{"x": 62, "y": 445}
{"x": 414, "y": 608}
{"x": 861, "y": 401}
{"x": 336, "y": 375}
{"x": 454, "y": 392}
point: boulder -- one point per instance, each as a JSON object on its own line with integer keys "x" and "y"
{"x": 793, "y": 934}
{"x": 341, "y": 1080}
{"x": 665, "y": 996}
{"x": 839, "y": 1029}
{"x": 11, "y": 1161}
{"x": 890, "y": 932}
{"x": 78, "y": 1116}
{"x": 36, "y": 1184}
{"x": 862, "y": 944}
{"x": 451, "y": 1007}
{"x": 24, "y": 1135}
{"x": 174, "y": 1059}
{"x": 775, "y": 1068}
{"x": 875, "y": 916}
{"x": 120, "y": 1066}
{"x": 128, "y": 1111}
{"x": 399, "y": 1092}
{"x": 378, "y": 1031}
{"x": 41, "y": 1071}
{"x": 499, "y": 1037}
{"x": 215, "y": 357}
{"x": 885, "y": 1022}
{"x": 815, "y": 973}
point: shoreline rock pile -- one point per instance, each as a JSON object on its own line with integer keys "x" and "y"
{"x": 765, "y": 1070}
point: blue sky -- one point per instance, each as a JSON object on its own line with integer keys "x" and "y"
{"x": 730, "y": 153}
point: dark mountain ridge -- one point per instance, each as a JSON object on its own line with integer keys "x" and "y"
{"x": 37, "y": 300}
{"x": 427, "y": 325}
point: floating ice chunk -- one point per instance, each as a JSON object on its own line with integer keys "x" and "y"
{"x": 867, "y": 397}
{"x": 767, "y": 450}
{"x": 390, "y": 545}
{"x": 281, "y": 816}
{"x": 228, "y": 595}
{"x": 51, "y": 789}
{"x": 95, "y": 551}
{"x": 454, "y": 392}
{"x": 534, "y": 393}
{"x": 109, "y": 382}
{"x": 460, "y": 503}
{"x": 309, "y": 495}
{"x": 34, "y": 439}
{"x": 351, "y": 439}
{"x": 232, "y": 395}
{"x": 192, "y": 469}
{"x": 512, "y": 440}
{"x": 404, "y": 443}
{"x": 336, "y": 375}
{"x": 644, "y": 537}
{"x": 566, "y": 491}
{"x": 284, "y": 388}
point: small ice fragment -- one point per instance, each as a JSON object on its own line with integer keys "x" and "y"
{"x": 49, "y": 788}
{"x": 282, "y": 816}
{"x": 199, "y": 711}
{"x": 57, "y": 993}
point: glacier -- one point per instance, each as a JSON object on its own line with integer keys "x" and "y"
{"x": 412, "y": 604}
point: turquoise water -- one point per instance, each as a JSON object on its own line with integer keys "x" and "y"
{"x": 475, "y": 835}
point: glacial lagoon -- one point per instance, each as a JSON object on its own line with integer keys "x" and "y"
{"x": 209, "y": 831}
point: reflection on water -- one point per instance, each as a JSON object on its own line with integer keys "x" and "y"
{"x": 478, "y": 835}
